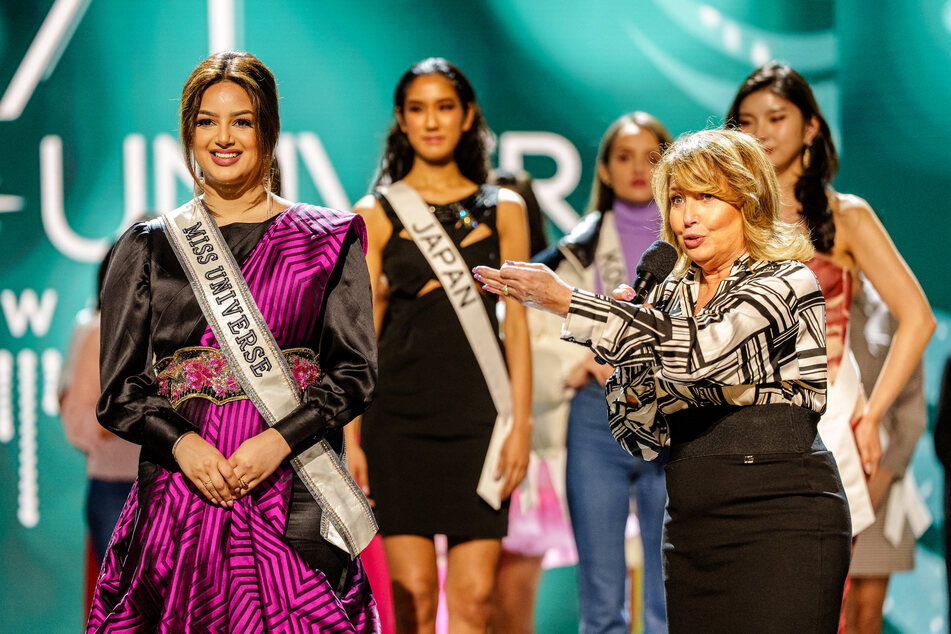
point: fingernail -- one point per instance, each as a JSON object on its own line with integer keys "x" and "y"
{"x": 629, "y": 295}
{"x": 485, "y": 287}
{"x": 510, "y": 261}
{"x": 477, "y": 276}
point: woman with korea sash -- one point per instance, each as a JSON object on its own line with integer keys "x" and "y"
{"x": 777, "y": 106}
{"x": 237, "y": 340}
{"x": 447, "y": 438}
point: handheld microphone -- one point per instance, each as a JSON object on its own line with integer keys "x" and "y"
{"x": 654, "y": 266}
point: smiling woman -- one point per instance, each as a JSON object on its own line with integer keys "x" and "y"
{"x": 237, "y": 335}
{"x": 225, "y": 137}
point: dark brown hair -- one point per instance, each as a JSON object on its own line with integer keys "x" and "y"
{"x": 811, "y": 188}
{"x": 471, "y": 154}
{"x": 247, "y": 71}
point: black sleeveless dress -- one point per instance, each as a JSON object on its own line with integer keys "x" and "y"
{"x": 427, "y": 431}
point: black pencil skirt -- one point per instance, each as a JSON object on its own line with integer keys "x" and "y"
{"x": 757, "y": 533}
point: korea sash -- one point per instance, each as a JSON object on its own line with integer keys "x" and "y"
{"x": 837, "y": 436}
{"x": 609, "y": 256}
{"x": 262, "y": 371}
{"x": 456, "y": 278}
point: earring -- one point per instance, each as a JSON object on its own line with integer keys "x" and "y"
{"x": 806, "y": 157}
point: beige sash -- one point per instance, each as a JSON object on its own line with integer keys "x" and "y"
{"x": 242, "y": 333}
{"x": 837, "y": 436}
{"x": 609, "y": 256}
{"x": 456, "y": 278}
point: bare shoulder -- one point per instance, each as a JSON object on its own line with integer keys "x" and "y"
{"x": 378, "y": 225}
{"x": 368, "y": 206}
{"x": 507, "y": 196}
{"x": 511, "y": 205}
{"x": 850, "y": 212}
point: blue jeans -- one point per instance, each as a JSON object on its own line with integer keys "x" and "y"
{"x": 103, "y": 506}
{"x": 601, "y": 480}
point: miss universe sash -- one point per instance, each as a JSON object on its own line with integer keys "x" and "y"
{"x": 454, "y": 275}
{"x": 262, "y": 371}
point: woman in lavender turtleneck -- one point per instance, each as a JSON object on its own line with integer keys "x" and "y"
{"x": 600, "y": 253}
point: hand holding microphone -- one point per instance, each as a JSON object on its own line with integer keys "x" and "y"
{"x": 654, "y": 266}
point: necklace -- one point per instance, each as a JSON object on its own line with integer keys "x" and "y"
{"x": 455, "y": 211}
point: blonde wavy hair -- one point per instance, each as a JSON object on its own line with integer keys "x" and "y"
{"x": 732, "y": 166}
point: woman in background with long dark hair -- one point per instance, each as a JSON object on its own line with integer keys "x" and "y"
{"x": 776, "y": 105}
{"x": 427, "y": 435}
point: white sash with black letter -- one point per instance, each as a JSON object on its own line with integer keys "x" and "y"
{"x": 609, "y": 256}
{"x": 456, "y": 278}
{"x": 261, "y": 369}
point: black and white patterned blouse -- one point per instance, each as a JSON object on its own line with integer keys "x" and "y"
{"x": 760, "y": 340}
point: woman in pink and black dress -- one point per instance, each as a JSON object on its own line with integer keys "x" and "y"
{"x": 220, "y": 534}
{"x": 776, "y": 104}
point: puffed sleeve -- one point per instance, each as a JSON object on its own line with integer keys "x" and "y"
{"x": 346, "y": 343}
{"x": 130, "y": 406}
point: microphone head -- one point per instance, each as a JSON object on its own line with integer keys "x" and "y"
{"x": 658, "y": 260}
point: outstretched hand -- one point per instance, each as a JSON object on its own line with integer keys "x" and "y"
{"x": 530, "y": 284}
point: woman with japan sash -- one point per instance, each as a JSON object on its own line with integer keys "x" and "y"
{"x": 447, "y": 439}
{"x": 237, "y": 340}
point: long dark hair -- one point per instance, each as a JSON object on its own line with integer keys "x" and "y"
{"x": 256, "y": 79}
{"x": 471, "y": 154}
{"x": 602, "y": 194}
{"x": 811, "y": 188}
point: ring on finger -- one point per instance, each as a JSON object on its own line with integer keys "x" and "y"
{"x": 505, "y": 289}
{"x": 244, "y": 485}
{"x": 206, "y": 483}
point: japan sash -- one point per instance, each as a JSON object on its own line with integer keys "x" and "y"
{"x": 346, "y": 519}
{"x": 456, "y": 278}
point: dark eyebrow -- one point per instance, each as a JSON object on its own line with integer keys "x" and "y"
{"x": 233, "y": 114}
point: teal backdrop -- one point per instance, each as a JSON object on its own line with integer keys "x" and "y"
{"x": 88, "y": 98}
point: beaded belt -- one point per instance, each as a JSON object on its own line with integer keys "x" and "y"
{"x": 204, "y": 373}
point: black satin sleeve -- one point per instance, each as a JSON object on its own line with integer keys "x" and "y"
{"x": 129, "y": 405}
{"x": 345, "y": 340}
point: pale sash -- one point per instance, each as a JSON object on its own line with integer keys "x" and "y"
{"x": 453, "y": 273}
{"x": 836, "y": 433}
{"x": 904, "y": 504}
{"x": 346, "y": 519}
{"x": 609, "y": 256}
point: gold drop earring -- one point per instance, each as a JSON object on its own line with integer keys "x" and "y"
{"x": 806, "y": 157}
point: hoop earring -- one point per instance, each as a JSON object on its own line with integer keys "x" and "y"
{"x": 806, "y": 157}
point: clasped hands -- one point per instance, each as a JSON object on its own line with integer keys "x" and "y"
{"x": 224, "y": 480}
